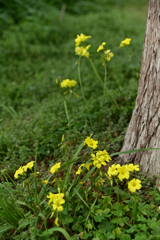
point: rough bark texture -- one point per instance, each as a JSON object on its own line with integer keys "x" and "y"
{"x": 144, "y": 128}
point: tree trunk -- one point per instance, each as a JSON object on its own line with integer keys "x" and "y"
{"x": 144, "y": 128}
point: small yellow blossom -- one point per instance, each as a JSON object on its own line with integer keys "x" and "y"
{"x": 98, "y": 160}
{"x": 132, "y": 167}
{"x": 136, "y": 167}
{"x": 108, "y": 55}
{"x": 159, "y": 207}
{"x": 103, "y": 155}
{"x": 56, "y": 200}
{"x": 57, "y": 204}
{"x": 112, "y": 170}
{"x": 45, "y": 181}
{"x": 68, "y": 83}
{"x": 80, "y": 169}
{"x": 88, "y": 165}
{"x": 20, "y": 171}
{"x": 123, "y": 173}
{"x": 134, "y": 185}
{"x": 125, "y": 42}
{"x": 81, "y": 38}
{"x": 29, "y": 165}
{"x": 83, "y": 51}
{"x": 55, "y": 168}
{"x": 101, "y": 47}
{"x": 91, "y": 142}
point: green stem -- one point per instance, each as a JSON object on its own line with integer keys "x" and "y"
{"x": 35, "y": 169}
{"x": 118, "y": 201}
{"x": 104, "y": 89}
{"x": 80, "y": 81}
{"x": 134, "y": 209}
{"x": 66, "y": 110}
{"x": 119, "y": 90}
{"x": 96, "y": 73}
{"x": 102, "y": 84}
{"x": 65, "y": 157}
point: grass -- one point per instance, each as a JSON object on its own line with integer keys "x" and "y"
{"x": 32, "y": 60}
{"x": 37, "y": 48}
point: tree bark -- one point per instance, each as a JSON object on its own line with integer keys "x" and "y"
{"x": 144, "y": 128}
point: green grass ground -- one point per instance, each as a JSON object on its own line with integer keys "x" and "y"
{"x": 37, "y": 49}
{"x": 37, "y": 46}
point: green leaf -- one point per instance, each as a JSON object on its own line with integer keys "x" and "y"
{"x": 76, "y": 227}
{"x": 132, "y": 229}
{"x": 5, "y": 229}
{"x": 81, "y": 198}
{"x": 125, "y": 237}
{"x": 131, "y": 151}
{"x": 55, "y": 229}
{"x": 68, "y": 220}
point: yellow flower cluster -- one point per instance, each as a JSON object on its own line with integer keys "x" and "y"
{"x": 100, "y": 158}
{"x": 107, "y": 54}
{"x": 125, "y": 42}
{"x": 22, "y": 170}
{"x": 68, "y": 83}
{"x": 123, "y": 172}
{"x": 79, "y": 50}
{"x": 81, "y": 38}
{"x": 56, "y": 200}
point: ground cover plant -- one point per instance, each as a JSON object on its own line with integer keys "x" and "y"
{"x": 51, "y": 101}
{"x": 94, "y": 200}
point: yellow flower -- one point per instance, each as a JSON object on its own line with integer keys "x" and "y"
{"x": 101, "y": 47}
{"x": 45, "y": 181}
{"x": 132, "y": 167}
{"x": 98, "y": 160}
{"x": 20, "y": 171}
{"x": 123, "y": 173}
{"x": 125, "y": 42}
{"x": 91, "y": 142}
{"x": 53, "y": 196}
{"x": 136, "y": 167}
{"x": 108, "y": 55}
{"x": 104, "y": 155}
{"x": 29, "y": 165}
{"x": 57, "y": 204}
{"x": 159, "y": 208}
{"x": 134, "y": 185}
{"x": 112, "y": 170}
{"x": 68, "y": 83}
{"x": 81, "y": 38}
{"x": 88, "y": 165}
{"x": 56, "y": 200}
{"x": 55, "y": 168}
{"x": 80, "y": 169}
{"x": 82, "y": 51}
